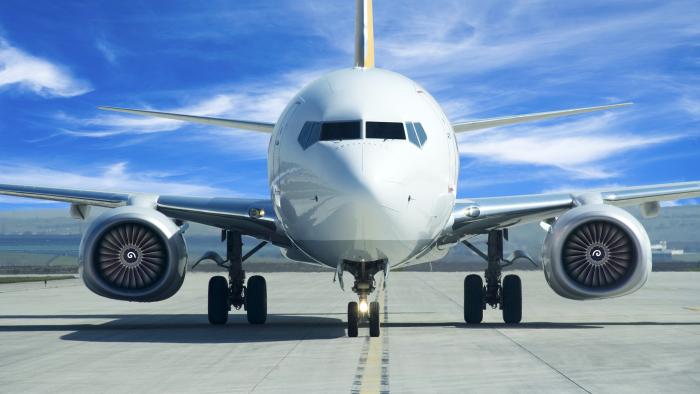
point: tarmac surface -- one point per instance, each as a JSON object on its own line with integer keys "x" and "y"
{"x": 62, "y": 338}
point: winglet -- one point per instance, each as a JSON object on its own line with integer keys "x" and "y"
{"x": 364, "y": 34}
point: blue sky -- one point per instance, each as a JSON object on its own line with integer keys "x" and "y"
{"x": 245, "y": 60}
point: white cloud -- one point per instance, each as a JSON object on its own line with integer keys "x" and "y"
{"x": 680, "y": 203}
{"x": 578, "y": 147}
{"x": 20, "y": 69}
{"x": 691, "y": 105}
{"x": 112, "y": 178}
{"x": 254, "y": 101}
{"x": 577, "y": 189}
{"x": 464, "y": 37}
{"x": 107, "y": 50}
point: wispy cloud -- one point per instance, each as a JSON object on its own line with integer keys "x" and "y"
{"x": 691, "y": 105}
{"x": 41, "y": 76}
{"x": 253, "y": 101}
{"x": 579, "y": 147}
{"x": 107, "y": 49}
{"x": 114, "y": 177}
{"x": 473, "y": 37}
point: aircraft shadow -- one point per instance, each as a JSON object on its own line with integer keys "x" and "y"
{"x": 536, "y": 325}
{"x": 185, "y": 328}
{"x": 194, "y": 328}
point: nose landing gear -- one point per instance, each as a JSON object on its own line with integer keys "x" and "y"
{"x": 364, "y": 311}
{"x": 356, "y": 316}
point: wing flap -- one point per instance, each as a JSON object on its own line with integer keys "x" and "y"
{"x": 509, "y": 120}
{"x": 231, "y": 123}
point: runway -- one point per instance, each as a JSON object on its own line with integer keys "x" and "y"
{"x": 63, "y": 338}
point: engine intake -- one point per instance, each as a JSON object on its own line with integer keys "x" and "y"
{"x": 596, "y": 251}
{"x": 133, "y": 254}
{"x": 599, "y": 254}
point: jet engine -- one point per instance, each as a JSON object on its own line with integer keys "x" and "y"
{"x": 596, "y": 251}
{"x": 133, "y": 254}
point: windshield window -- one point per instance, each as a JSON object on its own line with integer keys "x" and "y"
{"x": 309, "y": 134}
{"x": 412, "y": 134}
{"x": 335, "y": 131}
{"x": 422, "y": 137}
{"x": 416, "y": 134}
{"x": 385, "y": 130}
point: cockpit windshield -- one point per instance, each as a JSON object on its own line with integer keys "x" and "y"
{"x": 385, "y": 130}
{"x": 313, "y": 132}
{"x": 334, "y": 131}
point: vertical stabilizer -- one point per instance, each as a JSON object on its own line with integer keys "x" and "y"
{"x": 364, "y": 34}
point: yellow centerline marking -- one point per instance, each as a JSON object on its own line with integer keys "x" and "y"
{"x": 372, "y": 377}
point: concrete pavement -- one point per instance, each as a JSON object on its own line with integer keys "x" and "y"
{"x": 65, "y": 339}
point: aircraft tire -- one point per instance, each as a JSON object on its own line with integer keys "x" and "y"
{"x": 353, "y": 319}
{"x": 512, "y": 299}
{"x": 218, "y": 305}
{"x": 256, "y": 300}
{"x": 374, "y": 319}
{"x": 473, "y": 299}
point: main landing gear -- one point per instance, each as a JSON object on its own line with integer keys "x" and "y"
{"x": 506, "y": 293}
{"x": 363, "y": 311}
{"x": 225, "y": 294}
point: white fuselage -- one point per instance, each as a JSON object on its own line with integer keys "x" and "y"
{"x": 363, "y": 199}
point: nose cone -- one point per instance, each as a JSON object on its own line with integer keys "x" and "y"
{"x": 360, "y": 210}
{"x": 363, "y": 195}
{"x": 369, "y": 178}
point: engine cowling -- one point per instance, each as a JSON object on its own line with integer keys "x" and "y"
{"x": 596, "y": 251}
{"x": 133, "y": 254}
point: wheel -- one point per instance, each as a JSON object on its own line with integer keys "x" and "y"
{"x": 353, "y": 317}
{"x": 473, "y": 299}
{"x": 512, "y": 299}
{"x": 218, "y": 300}
{"x": 374, "y": 319}
{"x": 256, "y": 300}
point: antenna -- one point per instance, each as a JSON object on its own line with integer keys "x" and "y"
{"x": 364, "y": 34}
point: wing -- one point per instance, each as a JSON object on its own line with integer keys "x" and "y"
{"x": 476, "y": 216}
{"x": 249, "y": 216}
{"x": 509, "y": 120}
{"x": 236, "y": 124}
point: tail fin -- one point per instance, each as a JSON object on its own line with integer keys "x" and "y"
{"x": 364, "y": 34}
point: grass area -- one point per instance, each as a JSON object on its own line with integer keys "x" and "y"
{"x": 21, "y": 279}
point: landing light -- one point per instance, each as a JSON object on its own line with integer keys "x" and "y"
{"x": 256, "y": 213}
{"x": 363, "y": 306}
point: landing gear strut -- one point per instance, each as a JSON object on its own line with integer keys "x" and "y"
{"x": 364, "y": 311}
{"x": 506, "y": 293}
{"x": 225, "y": 294}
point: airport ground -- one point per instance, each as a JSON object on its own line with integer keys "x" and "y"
{"x": 59, "y": 337}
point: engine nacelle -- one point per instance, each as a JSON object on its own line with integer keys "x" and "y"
{"x": 133, "y": 254}
{"x": 596, "y": 251}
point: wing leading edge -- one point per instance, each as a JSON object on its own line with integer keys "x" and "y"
{"x": 509, "y": 120}
{"x": 236, "y": 124}
{"x": 476, "y": 216}
{"x": 252, "y": 217}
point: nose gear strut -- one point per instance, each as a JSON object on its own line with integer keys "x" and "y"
{"x": 364, "y": 285}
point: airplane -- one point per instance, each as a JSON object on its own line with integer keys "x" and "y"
{"x": 362, "y": 167}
